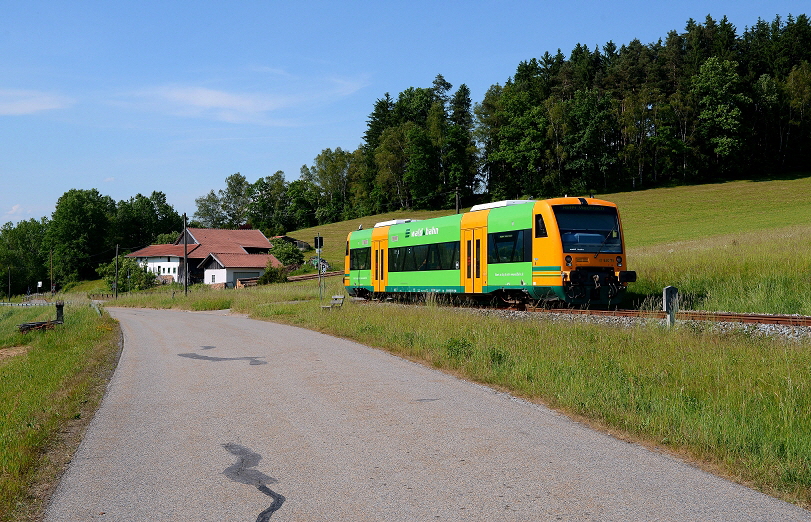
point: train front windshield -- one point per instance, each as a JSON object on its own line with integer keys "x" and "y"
{"x": 589, "y": 228}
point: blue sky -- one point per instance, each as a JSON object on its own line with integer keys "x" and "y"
{"x": 131, "y": 97}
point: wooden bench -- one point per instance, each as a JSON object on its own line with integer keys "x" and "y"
{"x": 337, "y": 302}
{"x": 39, "y": 325}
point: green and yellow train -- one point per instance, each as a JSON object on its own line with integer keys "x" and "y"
{"x": 567, "y": 249}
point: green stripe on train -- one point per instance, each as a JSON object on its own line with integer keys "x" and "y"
{"x": 430, "y": 289}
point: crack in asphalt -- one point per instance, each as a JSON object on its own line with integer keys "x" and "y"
{"x": 239, "y": 472}
{"x": 254, "y": 360}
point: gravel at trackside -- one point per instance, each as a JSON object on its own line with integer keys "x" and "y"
{"x": 799, "y": 334}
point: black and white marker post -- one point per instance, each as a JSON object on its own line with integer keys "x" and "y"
{"x": 319, "y": 243}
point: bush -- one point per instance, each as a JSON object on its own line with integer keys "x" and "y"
{"x": 458, "y": 348}
{"x": 131, "y": 275}
{"x": 273, "y": 275}
{"x": 287, "y": 253}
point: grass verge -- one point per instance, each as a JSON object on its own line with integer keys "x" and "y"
{"x": 48, "y": 392}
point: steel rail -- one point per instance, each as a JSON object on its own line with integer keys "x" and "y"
{"x": 786, "y": 320}
{"x": 688, "y": 315}
{"x": 306, "y": 277}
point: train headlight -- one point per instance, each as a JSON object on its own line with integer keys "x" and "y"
{"x": 568, "y": 260}
{"x": 619, "y": 261}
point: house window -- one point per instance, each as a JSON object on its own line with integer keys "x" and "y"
{"x": 174, "y": 270}
{"x": 213, "y": 278}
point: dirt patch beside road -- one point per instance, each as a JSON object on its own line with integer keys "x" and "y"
{"x": 12, "y": 351}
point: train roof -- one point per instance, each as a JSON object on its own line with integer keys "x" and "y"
{"x": 394, "y": 222}
{"x": 497, "y": 204}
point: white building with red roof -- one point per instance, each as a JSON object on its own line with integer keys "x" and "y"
{"x": 239, "y": 254}
{"x": 163, "y": 260}
{"x": 227, "y": 268}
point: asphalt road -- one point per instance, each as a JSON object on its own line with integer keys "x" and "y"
{"x": 211, "y": 417}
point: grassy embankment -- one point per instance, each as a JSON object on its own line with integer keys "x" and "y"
{"x": 49, "y": 380}
{"x": 738, "y": 247}
{"x": 737, "y": 403}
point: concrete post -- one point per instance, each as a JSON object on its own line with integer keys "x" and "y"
{"x": 670, "y": 303}
{"x": 60, "y": 314}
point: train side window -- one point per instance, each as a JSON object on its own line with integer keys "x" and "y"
{"x": 478, "y": 259}
{"x": 449, "y": 255}
{"x": 469, "y": 254}
{"x": 540, "y": 226}
{"x": 360, "y": 258}
{"x": 435, "y": 256}
{"x": 514, "y": 246}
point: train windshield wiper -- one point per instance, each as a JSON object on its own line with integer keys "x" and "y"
{"x": 607, "y": 236}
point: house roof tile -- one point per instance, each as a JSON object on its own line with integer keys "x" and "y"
{"x": 231, "y": 260}
{"x": 228, "y": 241}
{"x": 163, "y": 250}
{"x": 207, "y": 240}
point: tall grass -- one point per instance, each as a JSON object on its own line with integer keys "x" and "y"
{"x": 746, "y": 272}
{"x": 43, "y": 387}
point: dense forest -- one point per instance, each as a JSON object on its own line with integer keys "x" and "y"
{"x": 704, "y": 104}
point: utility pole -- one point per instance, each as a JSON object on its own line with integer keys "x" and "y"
{"x": 457, "y": 200}
{"x": 185, "y": 258}
{"x": 52, "y": 272}
{"x": 9, "y": 283}
{"x": 115, "y": 283}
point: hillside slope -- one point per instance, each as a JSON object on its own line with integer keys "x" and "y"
{"x": 651, "y": 217}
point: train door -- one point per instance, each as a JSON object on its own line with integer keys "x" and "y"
{"x": 474, "y": 256}
{"x": 380, "y": 246}
{"x": 474, "y": 251}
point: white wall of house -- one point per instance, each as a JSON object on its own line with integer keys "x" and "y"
{"x": 162, "y": 266}
{"x": 215, "y": 275}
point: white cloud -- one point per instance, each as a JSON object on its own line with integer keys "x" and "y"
{"x": 215, "y": 104}
{"x": 16, "y": 210}
{"x": 18, "y": 102}
{"x": 271, "y": 70}
{"x": 263, "y": 108}
{"x": 348, "y": 86}
{"x": 109, "y": 180}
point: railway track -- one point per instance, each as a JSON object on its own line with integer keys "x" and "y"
{"x": 315, "y": 276}
{"x": 785, "y": 320}
{"x": 686, "y": 315}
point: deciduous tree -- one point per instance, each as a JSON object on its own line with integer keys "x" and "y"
{"x": 79, "y": 233}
